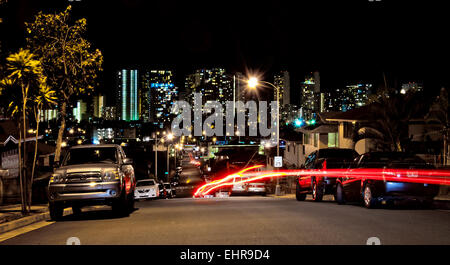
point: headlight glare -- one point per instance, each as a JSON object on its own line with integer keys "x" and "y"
{"x": 111, "y": 175}
{"x": 56, "y": 178}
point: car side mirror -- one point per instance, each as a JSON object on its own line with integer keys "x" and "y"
{"x": 127, "y": 161}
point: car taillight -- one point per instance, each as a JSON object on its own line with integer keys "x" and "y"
{"x": 324, "y": 164}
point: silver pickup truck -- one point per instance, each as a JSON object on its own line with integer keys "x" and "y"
{"x": 92, "y": 175}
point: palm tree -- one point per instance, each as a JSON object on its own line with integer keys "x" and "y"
{"x": 439, "y": 112}
{"x": 391, "y": 112}
{"x": 44, "y": 98}
{"x": 24, "y": 73}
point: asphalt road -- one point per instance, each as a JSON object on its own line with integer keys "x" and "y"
{"x": 246, "y": 220}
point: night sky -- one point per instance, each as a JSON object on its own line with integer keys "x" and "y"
{"x": 346, "y": 41}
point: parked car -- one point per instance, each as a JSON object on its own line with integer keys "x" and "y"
{"x": 257, "y": 188}
{"x": 170, "y": 190}
{"x": 247, "y": 188}
{"x": 90, "y": 175}
{"x": 146, "y": 189}
{"x": 375, "y": 192}
{"x": 331, "y": 158}
{"x": 238, "y": 187}
{"x": 162, "y": 190}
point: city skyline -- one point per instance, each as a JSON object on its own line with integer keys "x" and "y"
{"x": 141, "y": 34}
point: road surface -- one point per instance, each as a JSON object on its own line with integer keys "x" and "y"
{"x": 245, "y": 220}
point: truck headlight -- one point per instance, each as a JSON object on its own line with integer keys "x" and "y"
{"x": 111, "y": 175}
{"x": 56, "y": 178}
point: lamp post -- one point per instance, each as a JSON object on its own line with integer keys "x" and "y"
{"x": 169, "y": 137}
{"x": 253, "y": 83}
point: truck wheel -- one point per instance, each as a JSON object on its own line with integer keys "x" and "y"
{"x": 56, "y": 211}
{"x": 121, "y": 206}
{"x": 340, "y": 198}
{"x": 131, "y": 202}
{"x": 76, "y": 210}
{"x": 317, "y": 191}
{"x": 299, "y": 196}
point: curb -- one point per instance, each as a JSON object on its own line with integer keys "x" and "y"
{"x": 441, "y": 204}
{"x": 21, "y": 222}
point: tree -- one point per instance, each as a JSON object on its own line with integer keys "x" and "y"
{"x": 391, "y": 112}
{"x": 24, "y": 73}
{"x": 439, "y": 112}
{"x": 43, "y": 98}
{"x": 69, "y": 63}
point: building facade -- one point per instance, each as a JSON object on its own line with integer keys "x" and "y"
{"x": 127, "y": 104}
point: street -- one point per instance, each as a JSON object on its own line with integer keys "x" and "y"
{"x": 245, "y": 220}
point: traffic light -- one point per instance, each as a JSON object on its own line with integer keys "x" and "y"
{"x": 299, "y": 122}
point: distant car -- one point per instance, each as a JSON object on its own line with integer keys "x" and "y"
{"x": 375, "y": 192}
{"x": 319, "y": 185}
{"x": 239, "y": 187}
{"x": 247, "y": 188}
{"x": 170, "y": 190}
{"x": 146, "y": 189}
{"x": 162, "y": 193}
{"x": 258, "y": 188}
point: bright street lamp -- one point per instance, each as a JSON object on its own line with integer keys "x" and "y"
{"x": 252, "y": 82}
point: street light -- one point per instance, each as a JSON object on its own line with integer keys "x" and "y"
{"x": 169, "y": 138}
{"x": 253, "y": 83}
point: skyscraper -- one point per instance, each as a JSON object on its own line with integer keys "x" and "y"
{"x": 79, "y": 111}
{"x": 240, "y": 85}
{"x": 127, "y": 95}
{"x": 158, "y": 93}
{"x": 214, "y": 85}
{"x": 99, "y": 102}
{"x": 283, "y": 82}
{"x": 357, "y": 95}
{"x": 310, "y": 95}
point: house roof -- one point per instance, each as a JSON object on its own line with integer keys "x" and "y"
{"x": 324, "y": 128}
{"x": 354, "y": 115}
{"x": 10, "y": 132}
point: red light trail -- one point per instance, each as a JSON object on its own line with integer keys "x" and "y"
{"x": 425, "y": 176}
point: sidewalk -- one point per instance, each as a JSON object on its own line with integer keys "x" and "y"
{"x": 12, "y": 218}
{"x": 12, "y": 212}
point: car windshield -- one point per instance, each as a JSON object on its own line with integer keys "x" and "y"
{"x": 145, "y": 183}
{"x": 393, "y": 160}
{"x": 90, "y": 155}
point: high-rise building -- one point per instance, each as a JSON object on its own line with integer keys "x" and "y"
{"x": 157, "y": 94}
{"x": 310, "y": 96}
{"x": 99, "y": 102}
{"x": 127, "y": 95}
{"x": 80, "y": 111}
{"x": 239, "y": 87}
{"x": 357, "y": 95}
{"x": 109, "y": 113}
{"x": 214, "y": 85}
{"x": 49, "y": 114}
{"x": 282, "y": 81}
{"x": 352, "y": 96}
